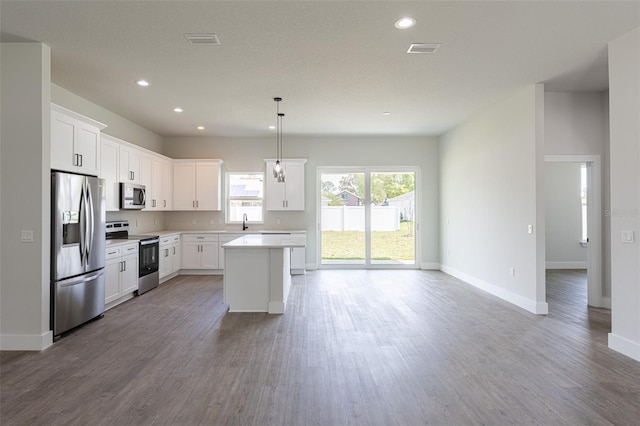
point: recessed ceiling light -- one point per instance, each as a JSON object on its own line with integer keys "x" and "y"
{"x": 143, "y": 83}
{"x": 177, "y": 109}
{"x": 386, "y": 113}
{"x": 272, "y": 127}
{"x": 404, "y": 23}
{"x": 200, "y": 127}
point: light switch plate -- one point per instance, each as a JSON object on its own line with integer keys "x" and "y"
{"x": 530, "y": 229}
{"x": 26, "y": 236}
{"x": 627, "y": 237}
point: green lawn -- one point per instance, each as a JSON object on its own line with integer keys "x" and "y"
{"x": 349, "y": 245}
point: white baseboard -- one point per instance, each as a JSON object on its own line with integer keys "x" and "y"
{"x": 624, "y": 346}
{"x": 430, "y": 266}
{"x": 566, "y": 265}
{"x": 26, "y": 342}
{"x": 539, "y": 308}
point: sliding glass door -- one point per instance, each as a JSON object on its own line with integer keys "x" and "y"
{"x": 393, "y": 236}
{"x": 368, "y": 218}
{"x": 342, "y": 218}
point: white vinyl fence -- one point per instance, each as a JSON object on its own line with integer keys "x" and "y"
{"x": 351, "y": 218}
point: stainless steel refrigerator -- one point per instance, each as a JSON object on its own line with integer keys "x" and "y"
{"x": 77, "y": 249}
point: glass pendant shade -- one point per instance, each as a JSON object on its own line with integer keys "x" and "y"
{"x": 278, "y": 171}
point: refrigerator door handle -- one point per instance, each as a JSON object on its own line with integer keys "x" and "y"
{"x": 83, "y": 279}
{"x": 83, "y": 225}
{"x": 91, "y": 223}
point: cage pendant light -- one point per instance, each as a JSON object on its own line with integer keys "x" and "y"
{"x": 278, "y": 170}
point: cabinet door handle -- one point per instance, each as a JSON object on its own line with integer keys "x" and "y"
{"x": 165, "y": 203}
{"x": 174, "y": 250}
{"x": 80, "y": 160}
{"x": 197, "y": 204}
{"x": 193, "y": 204}
{"x": 76, "y": 160}
{"x": 121, "y": 266}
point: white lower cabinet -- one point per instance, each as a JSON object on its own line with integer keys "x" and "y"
{"x": 200, "y": 251}
{"x": 170, "y": 255}
{"x": 121, "y": 273}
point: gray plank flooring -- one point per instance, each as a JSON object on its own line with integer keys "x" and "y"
{"x": 354, "y": 348}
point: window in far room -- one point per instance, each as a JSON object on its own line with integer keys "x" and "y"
{"x": 245, "y": 195}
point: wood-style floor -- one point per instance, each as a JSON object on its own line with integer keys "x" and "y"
{"x": 355, "y": 347}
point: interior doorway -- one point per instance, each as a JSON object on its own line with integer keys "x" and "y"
{"x": 589, "y": 225}
{"x": 368, "y": 217}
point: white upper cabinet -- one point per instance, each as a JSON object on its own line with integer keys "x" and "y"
{"x": 129, "y": 164}
{"x": 122, "y": 163}
{"x": 197, "y": 184}
{"x": 287, "y": 195}
{"x": 167, "y": 185}
{"x": 109, "y": 170}
{"x": 146, "y": 178}
{"x": 75, "y": 142}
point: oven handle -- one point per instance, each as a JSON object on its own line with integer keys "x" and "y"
{"x": 147, "y": 242}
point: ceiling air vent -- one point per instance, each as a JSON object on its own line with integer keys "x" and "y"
{"x": 203, "y": 39}
{"x": 423, "y": 48}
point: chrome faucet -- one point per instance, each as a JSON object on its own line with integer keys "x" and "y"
{"x": 244, "y": 222}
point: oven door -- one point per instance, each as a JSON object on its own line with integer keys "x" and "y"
{"x": 149, "y": 257}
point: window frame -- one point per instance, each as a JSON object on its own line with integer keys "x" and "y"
{"x": 229, "y": 198}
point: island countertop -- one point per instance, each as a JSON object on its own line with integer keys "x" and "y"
{"x": 268, "y": 241}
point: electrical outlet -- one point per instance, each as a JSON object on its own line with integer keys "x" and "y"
{"x": 155, "y": 221}
{"x": 193, "y": 221}
{"x": 530, "y": 229}
{"x": 277, "y": 221}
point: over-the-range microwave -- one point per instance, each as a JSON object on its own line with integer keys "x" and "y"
{"x": 132, "y": 196}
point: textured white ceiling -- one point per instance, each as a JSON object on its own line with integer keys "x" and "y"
{"x": 338, "y": 64}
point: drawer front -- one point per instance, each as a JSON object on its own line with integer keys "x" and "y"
{"x": 193, "y": 238}
{"x": 129, "y": 249}
{"x": 112, "y": 252}
{"x": 175, "y": 239}
{"x": 165, "y": 241}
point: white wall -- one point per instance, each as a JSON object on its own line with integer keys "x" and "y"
{"x": 576, "y": 123}
{"x": 246, "y": 155}
{"x": 488, "y": 195}
{"x": 563, "y": 217}
{"x": 25, "y": 196}
{"x": 624, "y": 104}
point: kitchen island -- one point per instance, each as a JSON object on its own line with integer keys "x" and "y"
{"x": 257, "y": 274}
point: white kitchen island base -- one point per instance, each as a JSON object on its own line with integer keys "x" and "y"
{"x": 257, "y": 274}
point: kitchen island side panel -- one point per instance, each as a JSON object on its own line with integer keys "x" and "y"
{"x": 247, "y": 279}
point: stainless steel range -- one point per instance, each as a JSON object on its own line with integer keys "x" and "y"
{"x": 148, "y": 253}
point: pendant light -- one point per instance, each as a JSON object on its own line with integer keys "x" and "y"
{"x": 278, "y": 170}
